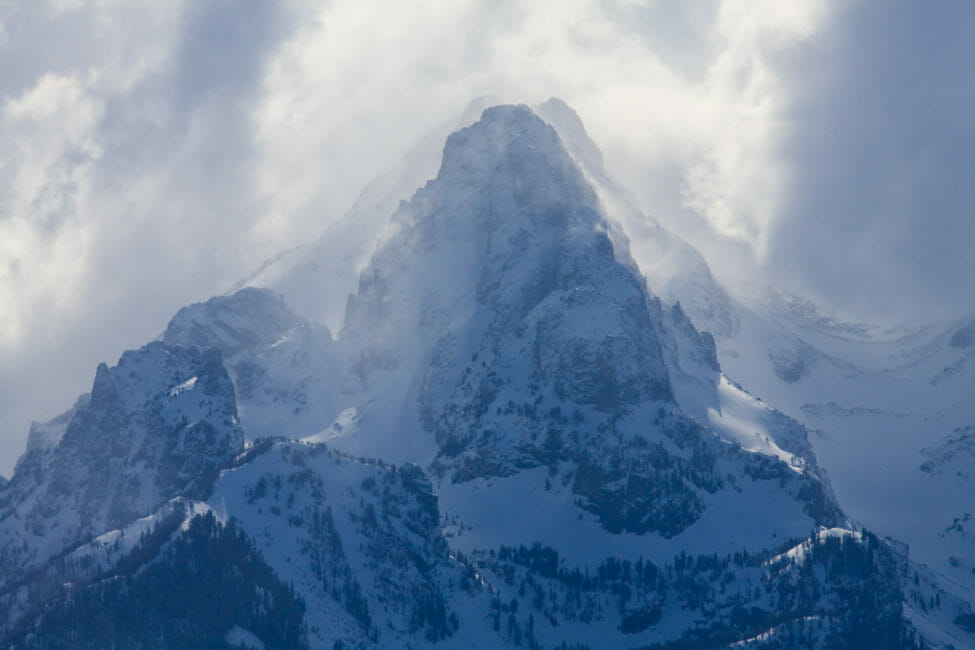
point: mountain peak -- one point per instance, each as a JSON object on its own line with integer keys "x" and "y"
{"x": 500, "y": 124}
{"x": 508, "y": 219}
{"x": 511, "y": 151}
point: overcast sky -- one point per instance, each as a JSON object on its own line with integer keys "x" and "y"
{"x": 152, "y": 153}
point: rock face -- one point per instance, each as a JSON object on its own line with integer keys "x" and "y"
{"x": 157, "y": 425}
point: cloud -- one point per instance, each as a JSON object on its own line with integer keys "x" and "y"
{"x": 44, "y": 178}
{"x": 737, "y": 180}
{"x": 877, "y": 215}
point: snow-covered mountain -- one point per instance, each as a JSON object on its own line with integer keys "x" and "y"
{"x": 508, "y": 438}
{"x": 157, "y": 425}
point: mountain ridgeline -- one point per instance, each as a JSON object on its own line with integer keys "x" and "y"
{"x": 509, "y": 442}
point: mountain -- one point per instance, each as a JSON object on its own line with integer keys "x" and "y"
{"x": 530, "y": 341}
{"x": 508, "y": 440}
{"x": 157, "y": 425}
